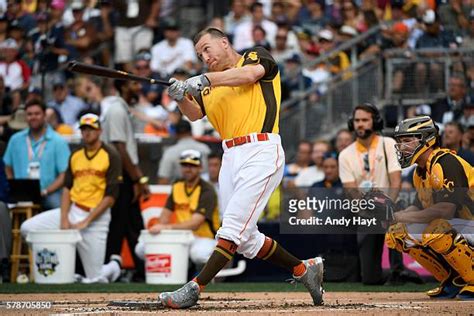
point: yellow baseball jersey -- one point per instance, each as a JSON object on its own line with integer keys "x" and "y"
{"x": 92, "y": 175}
{"x": 183, "y": 202}
{"x": 253, "y": 108}
{"x": 446, "y": 178}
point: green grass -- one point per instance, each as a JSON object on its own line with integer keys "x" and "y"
{"x": 218, "y": 287}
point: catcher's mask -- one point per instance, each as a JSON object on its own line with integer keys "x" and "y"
{"x": 424, "y": 134}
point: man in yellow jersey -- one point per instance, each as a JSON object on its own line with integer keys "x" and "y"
{"x": 241, "y": 97}
{"x": 193, "y": 203}
{"x": 438, "y": 229}
{"x": 91, "y": 187}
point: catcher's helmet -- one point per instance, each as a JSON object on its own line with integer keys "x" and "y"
{"x": 426, "y": 133}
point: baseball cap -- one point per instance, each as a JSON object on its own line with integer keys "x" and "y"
{"x": 58, "y": 4}
{"x": 400, "y": 27}
{"x": 190, "y": 157}
{"x": 326, "y": 35}
{"x": 171, "y": 24}
{"x": 348, "y": 30}
{"x": 144, "y": 55}
{"x": 9, "y": 43}
{"x": 77, "y": 5}
{"x": 89, "y": 119}
{"x": 429, "y": 17}
{"x": 59, "y": 80}
{"x": 35, "y": 90}
{"x": 295, "y": 58}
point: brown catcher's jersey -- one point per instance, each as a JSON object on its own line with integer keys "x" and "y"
{"x": 92, "y": 175}
{"x": 446, "y": 178}
{"x": 183, "y": 202}
{"x": 253, "y": 108}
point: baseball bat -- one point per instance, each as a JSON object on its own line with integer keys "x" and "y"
{"x": 100, "y": 71}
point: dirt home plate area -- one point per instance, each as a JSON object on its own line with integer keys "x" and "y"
{"x": 296, "y": 303}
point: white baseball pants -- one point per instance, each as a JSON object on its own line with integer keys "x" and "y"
{"x": 94, "y": 238}
{"x": 249, "y": 175}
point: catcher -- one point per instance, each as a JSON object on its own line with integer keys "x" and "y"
{"x": 437, "y": 230}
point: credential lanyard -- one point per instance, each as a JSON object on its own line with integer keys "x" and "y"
{"x": 31, "y": 153}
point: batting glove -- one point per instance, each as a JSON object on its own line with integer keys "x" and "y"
{"x": 177, "y": 90}
{"x": 196, "y": 84}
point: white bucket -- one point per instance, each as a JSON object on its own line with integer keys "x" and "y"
{"x": 167, "y": 256}
{"x": 54, "y": 255}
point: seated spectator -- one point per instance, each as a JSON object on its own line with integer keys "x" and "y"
{"x": 454, "y": 16}
{"x": 14, "y": 71}
{"x": 259, "y": 38}
{"x": 69, "y": 106}
{"x": 313, "y": 173}
{"x": 336, "y": 63}
{"x": 286, "y": 45}
{"x": 152, "y": 92}
{"x": 196, "y": 211}
{"x": 434, "y": 36}
{"x": 54, "y": 119}
{"x": 351, "y": 16}
{"x": 452, "y": 139}
{"x": 302, "y": 161}
{"x": 80, "y": 35}
{"x": 315, "y": 20}
{"x": 49, "y": 47}
{"x": 450, "y": 107}
{"x": 38, "y": 152}
{"x": 237, "y": 15}
{"x": 243, "y": 33}
{"x": 25, "y": 20}
{"x": 173, "y": 51}
{"x": 169, "y": 169}
{"x": 5, "y": 228}
{"x": 91, "y": 188}
{"x": 331, "y": 172}
{"x": 343, "y": 139}
{"x": 294, "y": 81}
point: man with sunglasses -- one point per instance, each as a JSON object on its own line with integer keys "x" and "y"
{"x": 193, "y": 202}
{"x": 437, "y": 229}
{"x": 91, "y": 187}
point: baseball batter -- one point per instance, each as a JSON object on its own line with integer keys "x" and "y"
{"x": 241, "y": 98}
{"x": 91, "y": 187}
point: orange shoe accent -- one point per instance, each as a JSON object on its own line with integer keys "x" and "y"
{"x": 201, "y": 287}
{"x": 299, "y": 270}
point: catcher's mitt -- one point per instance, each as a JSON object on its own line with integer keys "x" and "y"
{"x": 383, "y": 207}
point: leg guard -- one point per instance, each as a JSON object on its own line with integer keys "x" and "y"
{"x": 443, "y": 239}
{"x": 396, "y": 239}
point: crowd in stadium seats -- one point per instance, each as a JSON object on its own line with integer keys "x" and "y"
{"x": 153, "y": 38}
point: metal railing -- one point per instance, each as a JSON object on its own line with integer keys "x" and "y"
{"x": 309, "y": 115}
{"x": 425, "y": 72}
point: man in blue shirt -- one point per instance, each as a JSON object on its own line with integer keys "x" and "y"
{"x": 69, "y": 106}
{"x": 38, "y": 153}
